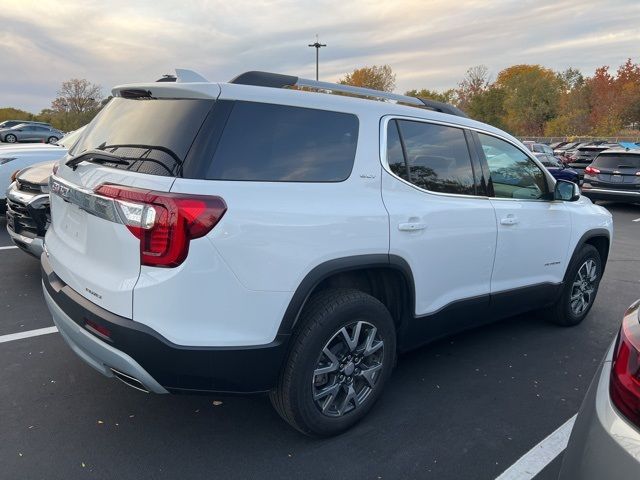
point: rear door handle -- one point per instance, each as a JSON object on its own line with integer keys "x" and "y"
{"x": 509, "y": 220}
{"x": 411, "y": 227}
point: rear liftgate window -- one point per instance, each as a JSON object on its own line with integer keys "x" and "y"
{"x": 147, "y": 135}
{"x": 278, "y": 143}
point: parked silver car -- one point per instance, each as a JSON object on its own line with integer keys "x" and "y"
{"x": 30, "y": 132}
{"x": 605, "y": 441}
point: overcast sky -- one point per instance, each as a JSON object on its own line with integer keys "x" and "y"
{"x": 429, "y": 44}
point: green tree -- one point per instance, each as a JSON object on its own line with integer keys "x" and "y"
{"x": 10, "y": 113}
{"x": 376, "y": 77}
{"x": 488, "y": 106}
{"x": 447, "y": 96}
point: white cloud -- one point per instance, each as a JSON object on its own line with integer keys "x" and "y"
{"x": 428, "y": 44}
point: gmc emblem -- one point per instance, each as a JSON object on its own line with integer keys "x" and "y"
{"x": 59, "y": 189}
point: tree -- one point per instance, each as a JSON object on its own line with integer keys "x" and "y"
{"x": 604, "y": 114}
{"x": 375, "y": 77}
{"x": 78, "y": 101}
{"x": 448, "y": 96}
{"x": 475, "y": 82}
{"x": 571, "y": 79}
{"x": 488, "y": 106}
{"x": 14, "y": 114}
{"x": 531, "y": 94}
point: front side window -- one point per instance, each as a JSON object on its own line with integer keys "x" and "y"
{"x": 436, "y": 157}
{"x": 513, "y": 173}
{"x": 279, "y": 143}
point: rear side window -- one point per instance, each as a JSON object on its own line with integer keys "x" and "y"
{"x": 279, "y": 143}
{"x": 619, "y": 161}
{"x": 437, "y": 157}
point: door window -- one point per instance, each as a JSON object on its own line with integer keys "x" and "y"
{"x": 513, "y": 173}
{"x": 434, "y": 157}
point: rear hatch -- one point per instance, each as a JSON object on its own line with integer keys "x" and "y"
{"x": 615, "y": 171}
{"x": 134, "y": 142}
{"x": 583, "y": 156}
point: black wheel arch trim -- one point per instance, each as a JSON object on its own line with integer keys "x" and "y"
{"x": 340, "y": 265}
{"x": 588, "y": 235}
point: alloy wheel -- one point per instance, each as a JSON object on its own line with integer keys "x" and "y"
{"x": 584, "y": 286}
{"x": 348, "y": 369}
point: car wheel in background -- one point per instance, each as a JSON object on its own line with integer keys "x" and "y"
{"x": 11, "y": 138}
{"x": 52, "y": 139}
{"x": 340, "y": 359}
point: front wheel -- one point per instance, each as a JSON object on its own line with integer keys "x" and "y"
{"x": 580, "y": 289}
{"x": 11, "y": 138}
{"x": 340, "y": 359}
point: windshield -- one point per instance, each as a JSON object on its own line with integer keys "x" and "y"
{"x": 158, "y": 133}
{"x": 618, "y": 161}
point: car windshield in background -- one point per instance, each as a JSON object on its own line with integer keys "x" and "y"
{"x": 154, "y": 136}
{"x": 618, "y": 161}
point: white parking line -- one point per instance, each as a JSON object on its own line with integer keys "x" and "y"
{"x": 636, "y": 220}
{"x": 534, "y": 461}
{"x": 30, "y": 333}
{"x": 8, "y": 248}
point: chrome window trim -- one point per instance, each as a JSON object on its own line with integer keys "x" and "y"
{"x": 384, "y": 122}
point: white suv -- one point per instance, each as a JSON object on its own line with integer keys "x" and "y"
{"x": 245, "y": 237}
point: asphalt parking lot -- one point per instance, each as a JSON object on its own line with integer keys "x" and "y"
{"x": 463, "y": 408}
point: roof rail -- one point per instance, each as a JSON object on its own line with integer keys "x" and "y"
{"x": 276, "y": 80}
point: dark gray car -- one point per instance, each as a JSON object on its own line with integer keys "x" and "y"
{"x": 614, "y": 175}
{"x": 30, "y": 132}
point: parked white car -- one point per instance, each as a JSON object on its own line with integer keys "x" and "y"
{"x": 247, "y": 237}
{"x": 14, "y": 158}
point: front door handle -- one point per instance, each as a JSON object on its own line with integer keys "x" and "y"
{"x": 509, "y": 220}
{"x": 411, "y": 227}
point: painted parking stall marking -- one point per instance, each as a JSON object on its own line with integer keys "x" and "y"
{"x": 536, "y": 459}
{"x": 10, "y": 247}
{"x": 636, "y": 220}
{"x": 30, "y": 333}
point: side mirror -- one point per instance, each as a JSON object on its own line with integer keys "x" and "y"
{"x": 566, "y": 191}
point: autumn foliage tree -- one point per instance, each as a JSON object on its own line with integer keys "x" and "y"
{"x": 377, "y": 77}
{"x": 77, "y": 102}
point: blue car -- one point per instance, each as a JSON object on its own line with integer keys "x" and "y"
{"x": 557, "y": 169}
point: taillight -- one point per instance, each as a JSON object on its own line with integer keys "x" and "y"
{"x": 624, "y": 386}
{"x": 591, "y": 170}
{"x": 164, "y": 222}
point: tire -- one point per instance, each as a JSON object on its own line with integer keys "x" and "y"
{"x": 301, "y": 396}
{"x": 10, "y": 138}
{"x": 52, "y": 139}
{"x": 563, "y": 312}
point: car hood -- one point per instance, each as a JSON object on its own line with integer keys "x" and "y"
{"x": 38, "y": 174}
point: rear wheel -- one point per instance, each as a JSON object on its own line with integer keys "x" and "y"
{"x": 340, "y": 360}
{"x": 11, "y": 138}
{"x": 580, "y": 289}
{"x": 52, "y": 139}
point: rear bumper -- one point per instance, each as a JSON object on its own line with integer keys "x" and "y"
{"x": 610, "y": 194}
{"x": 602, "y": 443}
{"x": 160, "y": 365}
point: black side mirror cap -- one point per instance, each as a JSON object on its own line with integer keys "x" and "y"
{"x": 566, "y": 191}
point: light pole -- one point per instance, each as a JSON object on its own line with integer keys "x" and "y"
{"x": 317, "y": 46}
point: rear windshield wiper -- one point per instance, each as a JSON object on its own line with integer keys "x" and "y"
{"x": 96, "y": 157}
